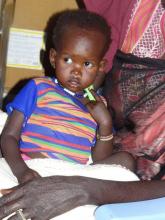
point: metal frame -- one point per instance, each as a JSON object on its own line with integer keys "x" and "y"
{"x": 6, "y": 16}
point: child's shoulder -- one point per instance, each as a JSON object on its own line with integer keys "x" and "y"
{"x": 44, "y": 79}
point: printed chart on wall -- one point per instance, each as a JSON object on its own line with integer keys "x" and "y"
{"x": 24, "y": 48}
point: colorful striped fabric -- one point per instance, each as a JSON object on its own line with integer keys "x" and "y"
{"x": 60, "y": 126}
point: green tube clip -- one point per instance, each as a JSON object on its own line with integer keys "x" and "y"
{"x": 89, "y": 94}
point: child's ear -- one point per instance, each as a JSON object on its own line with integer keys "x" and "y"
{"x": 52, "y": 57}
{"x": 102, "y": 65}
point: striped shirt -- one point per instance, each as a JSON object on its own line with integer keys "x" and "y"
{"x": 56, "y": 123}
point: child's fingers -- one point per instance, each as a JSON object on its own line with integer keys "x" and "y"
{"x": 6, "y": 191}
{"x": 97, "y": 97}
{"x": 85, "y": 101}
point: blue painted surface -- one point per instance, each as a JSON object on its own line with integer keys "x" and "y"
{"x": 144, "y": 210}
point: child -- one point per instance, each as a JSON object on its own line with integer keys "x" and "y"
{"x": 50, "y": 116}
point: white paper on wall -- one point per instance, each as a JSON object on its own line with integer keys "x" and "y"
{"x": 24, "y": 48}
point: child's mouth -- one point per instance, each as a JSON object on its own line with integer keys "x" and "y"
{"x": 74, "y": 83}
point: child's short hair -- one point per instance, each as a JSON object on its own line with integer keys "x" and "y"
{"x": 83, "y": 19}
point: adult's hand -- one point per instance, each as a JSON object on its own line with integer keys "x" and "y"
{"x": 27, "y": 175}
{"x": 47, "y": 197}
{"x": 44, "y": 198}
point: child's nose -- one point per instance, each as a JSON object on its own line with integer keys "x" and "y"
{"x": 77, "y": 69}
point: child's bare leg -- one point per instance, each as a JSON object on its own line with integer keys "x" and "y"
{"x": 123, "y": 158}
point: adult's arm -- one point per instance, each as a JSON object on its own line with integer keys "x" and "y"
{"x": 118, "y": 14}
{"x": 47, "y": 197}
{"x": 100, "y": 7}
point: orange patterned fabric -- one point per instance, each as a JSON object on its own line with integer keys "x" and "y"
{"x": 141, "y": 18}
{"x": 146, "y": 35}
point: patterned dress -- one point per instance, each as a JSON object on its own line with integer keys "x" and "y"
{"x": 134, "y": 93}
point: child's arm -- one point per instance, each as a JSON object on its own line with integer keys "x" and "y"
{"x": 104, "y": 144}
{"x": 10, "y": 147}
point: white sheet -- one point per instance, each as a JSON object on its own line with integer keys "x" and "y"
{"x": 49, "y": 167}
{"x": 3, "y": 117}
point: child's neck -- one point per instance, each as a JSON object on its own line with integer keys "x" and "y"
{"x": 78, "y": 94}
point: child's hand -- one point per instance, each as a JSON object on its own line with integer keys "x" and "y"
{"x": 27, "y": 175}
{"x": 98, "y": 110}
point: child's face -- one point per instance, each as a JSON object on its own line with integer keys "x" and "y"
{"x": 79, "y": 58}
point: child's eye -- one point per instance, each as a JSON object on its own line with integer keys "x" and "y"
{"x": 68, "y": 60}
{"x": 88, "y": 64}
